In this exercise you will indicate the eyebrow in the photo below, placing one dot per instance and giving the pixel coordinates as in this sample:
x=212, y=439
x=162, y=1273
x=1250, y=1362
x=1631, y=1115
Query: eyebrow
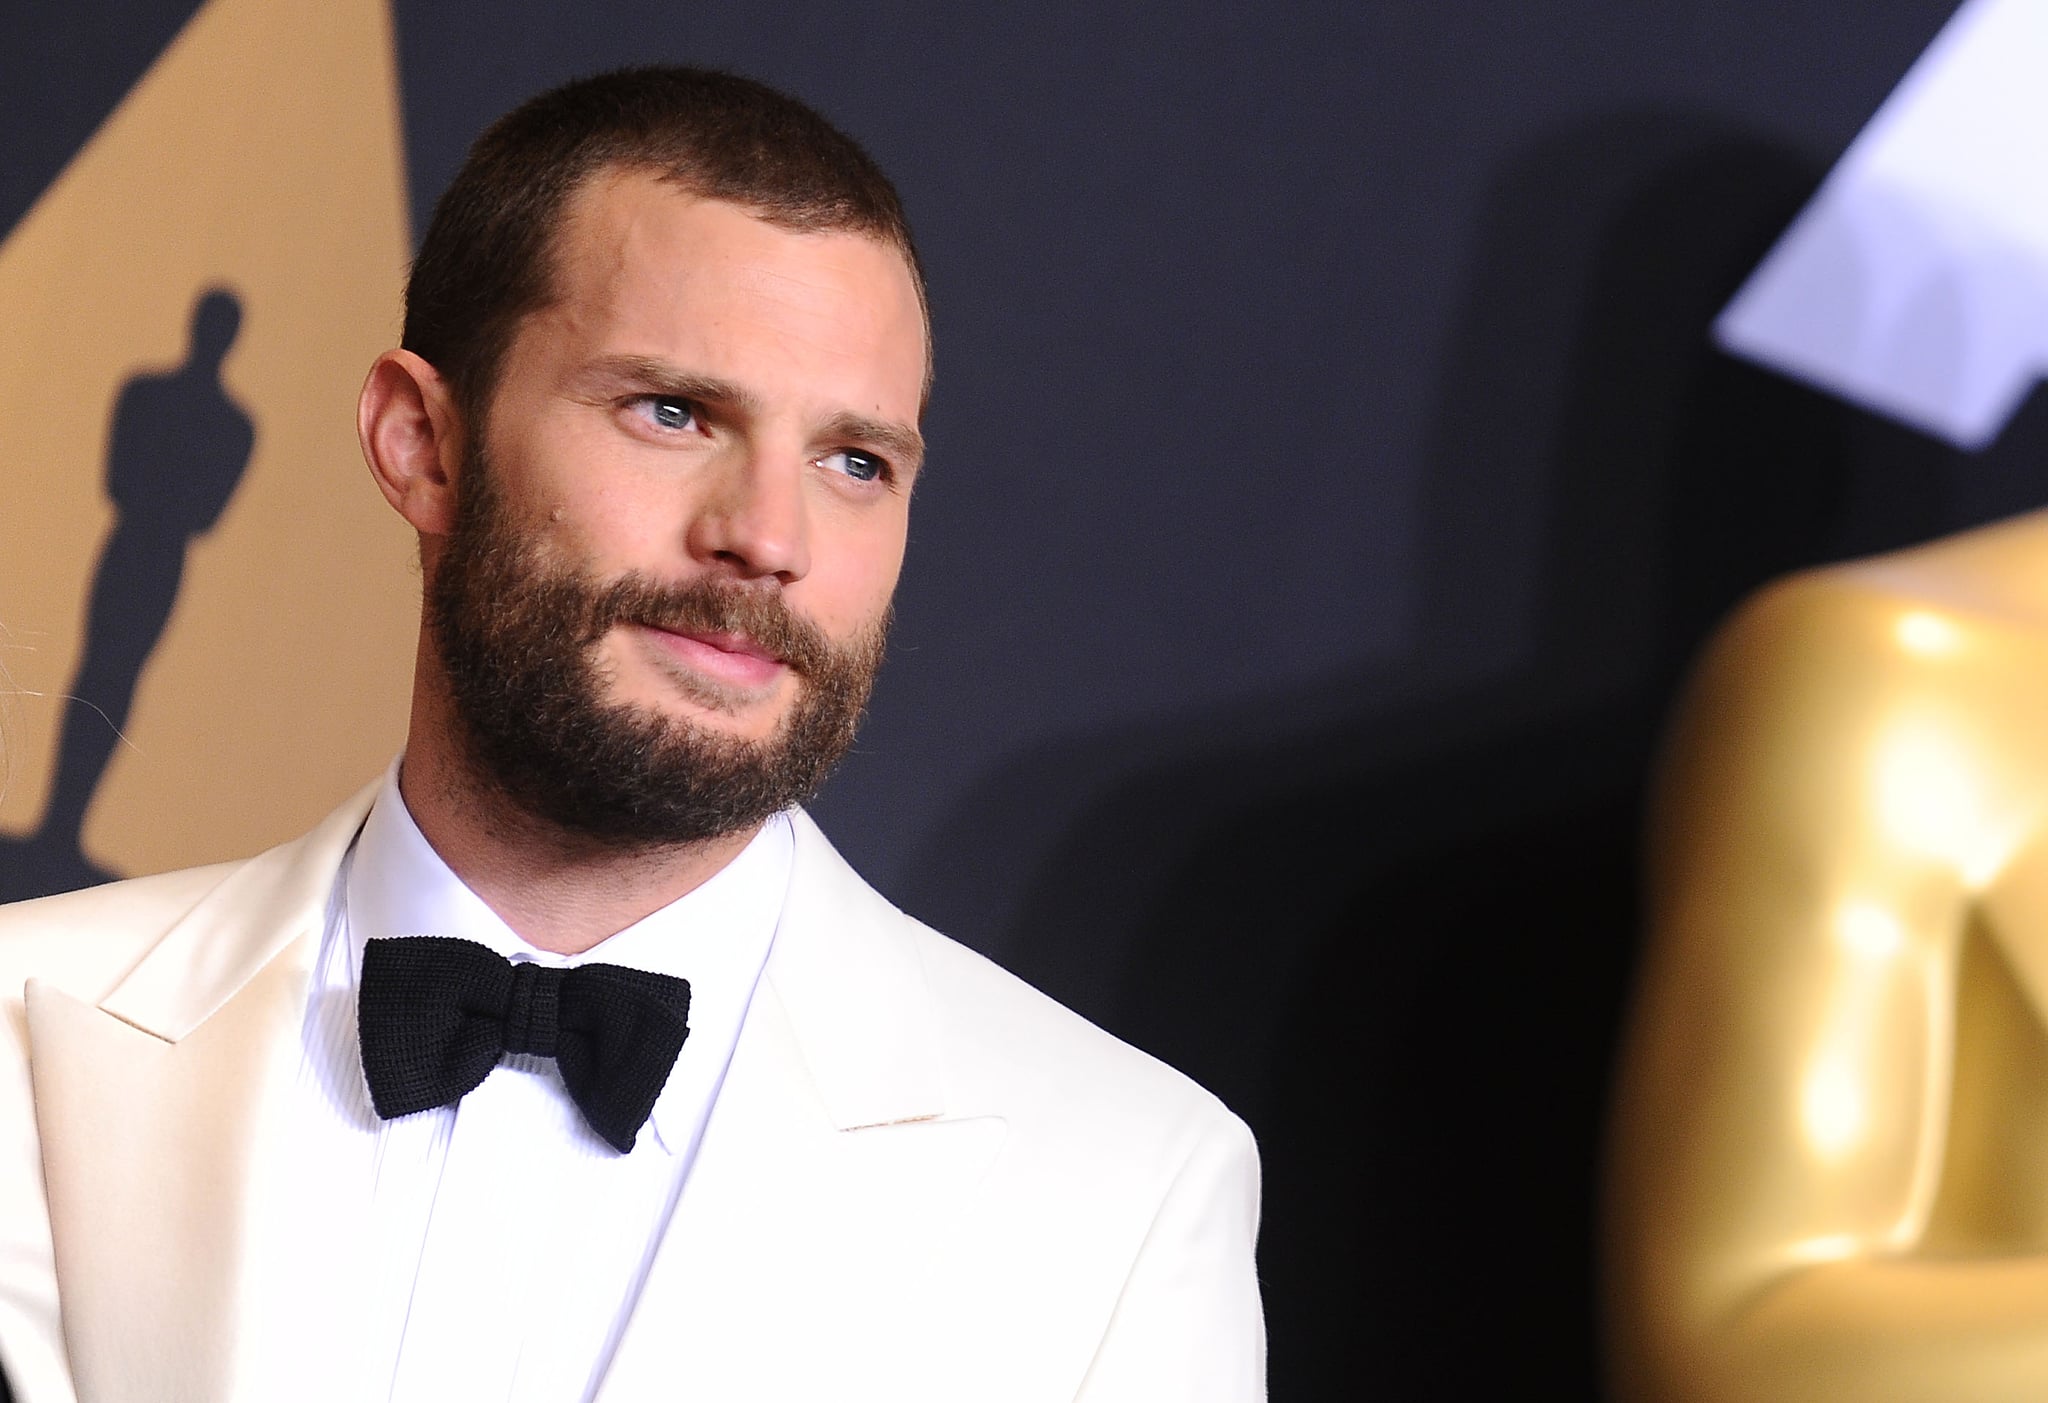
x=902, y=444
x=660, y=378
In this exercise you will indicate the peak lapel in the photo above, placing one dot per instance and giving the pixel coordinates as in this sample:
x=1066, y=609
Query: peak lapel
x=150, y=1109
x=146, y=1150
x=801, y=1251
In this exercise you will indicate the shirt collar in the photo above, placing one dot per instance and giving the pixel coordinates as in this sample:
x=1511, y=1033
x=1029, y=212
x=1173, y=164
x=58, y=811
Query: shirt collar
x=716, y=936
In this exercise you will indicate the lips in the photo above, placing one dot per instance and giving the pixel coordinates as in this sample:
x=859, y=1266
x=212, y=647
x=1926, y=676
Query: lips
x=738, y=644
x=735, y=659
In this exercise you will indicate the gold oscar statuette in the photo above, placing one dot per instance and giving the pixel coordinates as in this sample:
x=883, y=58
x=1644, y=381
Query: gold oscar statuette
x=1828, y=1171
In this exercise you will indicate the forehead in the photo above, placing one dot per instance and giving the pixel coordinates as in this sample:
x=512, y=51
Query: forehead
x=643, y=267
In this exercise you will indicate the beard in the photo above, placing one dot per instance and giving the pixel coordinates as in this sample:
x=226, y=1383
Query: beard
x=518, y=640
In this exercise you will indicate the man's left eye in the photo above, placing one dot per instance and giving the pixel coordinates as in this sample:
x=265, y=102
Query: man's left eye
x=861, y=467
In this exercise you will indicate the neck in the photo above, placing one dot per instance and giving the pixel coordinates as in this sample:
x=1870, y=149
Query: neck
x=557, y=891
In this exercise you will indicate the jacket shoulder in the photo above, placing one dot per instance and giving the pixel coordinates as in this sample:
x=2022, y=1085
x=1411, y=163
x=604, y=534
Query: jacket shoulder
x=1119, y=1177
x=1024, y=1048
x=87, y=939
x=1007, y=1049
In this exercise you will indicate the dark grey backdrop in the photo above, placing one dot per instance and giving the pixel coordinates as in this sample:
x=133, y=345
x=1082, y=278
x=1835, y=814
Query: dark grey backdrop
x=1330, y=476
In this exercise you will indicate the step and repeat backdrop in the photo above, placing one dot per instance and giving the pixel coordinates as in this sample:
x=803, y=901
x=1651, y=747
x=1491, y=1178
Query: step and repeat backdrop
x=205, y=612
x=1349, y=418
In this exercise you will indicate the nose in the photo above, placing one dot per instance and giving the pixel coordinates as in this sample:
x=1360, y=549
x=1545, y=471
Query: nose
x=754, y=520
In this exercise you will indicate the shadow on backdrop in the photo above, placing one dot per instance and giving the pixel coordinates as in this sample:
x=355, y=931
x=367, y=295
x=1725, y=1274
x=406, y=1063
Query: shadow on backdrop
x=176, y=452
x=1398, y=939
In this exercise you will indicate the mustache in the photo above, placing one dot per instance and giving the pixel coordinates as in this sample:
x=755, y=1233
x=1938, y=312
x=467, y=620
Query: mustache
x=710, y=606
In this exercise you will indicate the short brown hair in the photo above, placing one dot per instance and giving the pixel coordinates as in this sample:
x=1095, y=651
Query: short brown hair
x=486, y=260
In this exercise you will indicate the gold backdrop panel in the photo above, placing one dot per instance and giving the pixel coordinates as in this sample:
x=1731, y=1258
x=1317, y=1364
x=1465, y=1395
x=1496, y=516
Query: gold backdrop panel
x=261, y=154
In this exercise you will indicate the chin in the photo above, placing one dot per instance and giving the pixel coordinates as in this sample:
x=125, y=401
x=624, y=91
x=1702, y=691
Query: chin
x=701, y=701
x=756, y=721
x=747, y=731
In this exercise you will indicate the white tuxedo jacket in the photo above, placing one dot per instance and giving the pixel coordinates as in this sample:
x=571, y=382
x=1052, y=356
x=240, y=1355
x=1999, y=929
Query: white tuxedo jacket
x=922, y=1180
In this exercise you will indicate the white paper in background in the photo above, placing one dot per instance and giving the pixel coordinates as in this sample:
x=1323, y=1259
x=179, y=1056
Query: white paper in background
x=1916, y=282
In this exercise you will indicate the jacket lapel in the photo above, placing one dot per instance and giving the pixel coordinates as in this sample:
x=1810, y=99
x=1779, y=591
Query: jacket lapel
x=831, y=1169
x=801, y=1251
x=150, y=1110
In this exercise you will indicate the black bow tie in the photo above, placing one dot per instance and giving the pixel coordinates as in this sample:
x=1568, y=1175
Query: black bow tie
x=435, y=1013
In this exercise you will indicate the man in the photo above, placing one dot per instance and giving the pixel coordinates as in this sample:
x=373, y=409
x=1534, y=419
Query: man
x=333, y=1123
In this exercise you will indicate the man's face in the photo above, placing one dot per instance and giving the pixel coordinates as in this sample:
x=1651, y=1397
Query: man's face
x=682, y=522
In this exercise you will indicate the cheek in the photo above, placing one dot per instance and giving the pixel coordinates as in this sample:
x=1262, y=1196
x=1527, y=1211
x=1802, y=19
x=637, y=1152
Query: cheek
x=852, y=586
x=571, y=483
x=608, y=531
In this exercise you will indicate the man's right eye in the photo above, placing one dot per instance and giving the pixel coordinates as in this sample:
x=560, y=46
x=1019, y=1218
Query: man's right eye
x=670, y=412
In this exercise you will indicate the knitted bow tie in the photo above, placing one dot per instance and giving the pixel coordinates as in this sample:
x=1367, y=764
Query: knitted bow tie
x=435, y=1014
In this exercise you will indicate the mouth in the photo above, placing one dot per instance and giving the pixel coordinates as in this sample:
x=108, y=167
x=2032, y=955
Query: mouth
x=738, y=644
x=734, y=659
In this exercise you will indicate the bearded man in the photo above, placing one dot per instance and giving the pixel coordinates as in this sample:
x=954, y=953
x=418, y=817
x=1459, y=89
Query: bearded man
x=569, y=1061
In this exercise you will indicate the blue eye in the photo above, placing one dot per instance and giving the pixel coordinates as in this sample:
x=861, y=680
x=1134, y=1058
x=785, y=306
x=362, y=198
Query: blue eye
x=861, y=467
x=672, y=413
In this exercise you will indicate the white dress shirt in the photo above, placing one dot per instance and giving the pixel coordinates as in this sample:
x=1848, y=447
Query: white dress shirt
x=490, y=1250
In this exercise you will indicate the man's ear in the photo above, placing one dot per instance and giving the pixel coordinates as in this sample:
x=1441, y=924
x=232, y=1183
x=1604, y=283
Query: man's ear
x=411, y=434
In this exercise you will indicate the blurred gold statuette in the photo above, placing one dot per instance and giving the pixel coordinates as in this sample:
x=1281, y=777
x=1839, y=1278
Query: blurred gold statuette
x=1829, y=1167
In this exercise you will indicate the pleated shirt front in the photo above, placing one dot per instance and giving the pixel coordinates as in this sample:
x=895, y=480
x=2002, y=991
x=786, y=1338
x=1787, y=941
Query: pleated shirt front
x=490, y=1250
